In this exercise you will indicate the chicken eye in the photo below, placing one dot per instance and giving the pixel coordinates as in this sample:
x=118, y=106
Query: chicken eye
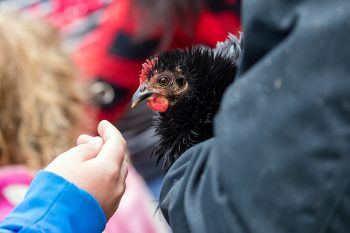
x=163, y=80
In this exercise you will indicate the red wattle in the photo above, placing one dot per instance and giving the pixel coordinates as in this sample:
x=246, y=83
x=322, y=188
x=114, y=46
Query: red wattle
x=159, y=104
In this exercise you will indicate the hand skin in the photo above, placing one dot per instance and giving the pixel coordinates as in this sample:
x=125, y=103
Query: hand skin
x=97, y=165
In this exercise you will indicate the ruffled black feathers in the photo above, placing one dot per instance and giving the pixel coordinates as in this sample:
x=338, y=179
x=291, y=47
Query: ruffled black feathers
x=207, y=72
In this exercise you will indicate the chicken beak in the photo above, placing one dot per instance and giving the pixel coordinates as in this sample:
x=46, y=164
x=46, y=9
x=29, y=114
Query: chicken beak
x=141, y=94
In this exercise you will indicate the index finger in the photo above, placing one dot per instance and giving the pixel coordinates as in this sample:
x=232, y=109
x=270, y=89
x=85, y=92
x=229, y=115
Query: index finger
x=114, y=146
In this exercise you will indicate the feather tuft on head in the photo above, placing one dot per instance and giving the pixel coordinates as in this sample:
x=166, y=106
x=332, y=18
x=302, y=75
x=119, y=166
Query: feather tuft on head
x=146, y=68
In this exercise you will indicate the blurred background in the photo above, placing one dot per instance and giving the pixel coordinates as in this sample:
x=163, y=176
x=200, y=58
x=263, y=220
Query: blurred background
x=108, y=41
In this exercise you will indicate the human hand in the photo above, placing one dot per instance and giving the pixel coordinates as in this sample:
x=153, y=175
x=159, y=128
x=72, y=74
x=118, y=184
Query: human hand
x=96, y=165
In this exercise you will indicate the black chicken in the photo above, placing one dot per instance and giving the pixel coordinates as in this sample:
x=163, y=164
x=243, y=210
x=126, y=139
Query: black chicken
x=185, y=87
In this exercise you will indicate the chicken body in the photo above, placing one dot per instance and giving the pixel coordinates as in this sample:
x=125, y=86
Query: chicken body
x=185, y=87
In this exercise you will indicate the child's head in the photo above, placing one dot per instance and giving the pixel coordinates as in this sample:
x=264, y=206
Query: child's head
x=40, y=105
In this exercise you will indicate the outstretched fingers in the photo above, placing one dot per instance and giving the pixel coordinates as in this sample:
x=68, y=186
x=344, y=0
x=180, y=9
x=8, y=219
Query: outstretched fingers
x=84, y=138
x=87, y=150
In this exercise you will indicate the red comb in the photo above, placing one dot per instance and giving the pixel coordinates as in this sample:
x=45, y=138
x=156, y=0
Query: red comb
x=146, y=68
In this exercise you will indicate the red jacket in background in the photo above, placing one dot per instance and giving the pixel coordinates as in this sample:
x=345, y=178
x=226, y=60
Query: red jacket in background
x=110, y=55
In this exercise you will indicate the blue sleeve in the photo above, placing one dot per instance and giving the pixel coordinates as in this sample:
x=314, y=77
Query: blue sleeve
x=52, y=204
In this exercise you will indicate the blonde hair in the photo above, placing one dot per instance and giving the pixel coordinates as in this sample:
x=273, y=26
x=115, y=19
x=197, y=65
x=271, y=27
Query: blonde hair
x=40, y=103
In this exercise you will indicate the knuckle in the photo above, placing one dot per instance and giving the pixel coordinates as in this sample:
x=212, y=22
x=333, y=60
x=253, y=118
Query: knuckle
x=113, y=172
x=121, y=189
x=123, y=144
x=90, y=147
x=126, y=172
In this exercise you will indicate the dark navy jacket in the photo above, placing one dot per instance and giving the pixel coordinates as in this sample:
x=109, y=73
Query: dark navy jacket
x=280, y=158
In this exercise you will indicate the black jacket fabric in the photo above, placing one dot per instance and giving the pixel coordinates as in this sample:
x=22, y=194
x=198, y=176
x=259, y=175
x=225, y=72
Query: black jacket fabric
x=280, y=158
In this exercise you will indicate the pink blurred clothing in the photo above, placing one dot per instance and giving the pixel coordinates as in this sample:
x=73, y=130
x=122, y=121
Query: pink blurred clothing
x=14, y=181
x=136, y=212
